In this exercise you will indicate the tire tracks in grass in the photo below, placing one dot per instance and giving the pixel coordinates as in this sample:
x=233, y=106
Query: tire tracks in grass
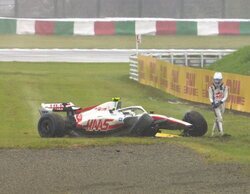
x=31, y=96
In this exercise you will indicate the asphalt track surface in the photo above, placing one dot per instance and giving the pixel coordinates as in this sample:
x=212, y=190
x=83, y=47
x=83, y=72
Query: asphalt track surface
x=69, y=55
x=159, y=168
x=88, y=55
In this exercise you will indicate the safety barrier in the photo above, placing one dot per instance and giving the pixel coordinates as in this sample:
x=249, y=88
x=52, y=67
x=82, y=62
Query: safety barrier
x=125, y=26
x=189, y=57
x=192, y=83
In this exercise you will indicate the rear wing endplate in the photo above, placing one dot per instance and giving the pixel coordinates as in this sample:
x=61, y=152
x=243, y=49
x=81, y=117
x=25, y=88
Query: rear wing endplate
x=57, y=107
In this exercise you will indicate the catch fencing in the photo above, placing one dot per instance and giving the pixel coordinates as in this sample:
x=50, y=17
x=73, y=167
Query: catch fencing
x=125, y=8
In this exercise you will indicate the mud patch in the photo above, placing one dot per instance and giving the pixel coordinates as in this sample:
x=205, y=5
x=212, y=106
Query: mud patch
x=159, y=168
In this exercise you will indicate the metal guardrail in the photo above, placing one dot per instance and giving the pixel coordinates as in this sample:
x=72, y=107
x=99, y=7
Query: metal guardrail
x=190, y=57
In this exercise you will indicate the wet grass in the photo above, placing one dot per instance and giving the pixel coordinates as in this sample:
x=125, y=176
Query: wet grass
x=124, y=42
x=25, y=85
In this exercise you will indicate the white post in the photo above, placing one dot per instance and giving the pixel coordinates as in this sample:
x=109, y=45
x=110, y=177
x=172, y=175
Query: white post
x=138, y=41
x=186, y=59
x=202, y=60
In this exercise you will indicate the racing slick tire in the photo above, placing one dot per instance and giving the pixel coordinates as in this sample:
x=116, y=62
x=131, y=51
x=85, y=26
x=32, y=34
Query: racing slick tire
x=199, y=124
x=51, y=125
x=143, y=126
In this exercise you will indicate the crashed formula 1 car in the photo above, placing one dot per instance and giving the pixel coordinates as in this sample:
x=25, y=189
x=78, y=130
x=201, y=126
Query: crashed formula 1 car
x=110, y=119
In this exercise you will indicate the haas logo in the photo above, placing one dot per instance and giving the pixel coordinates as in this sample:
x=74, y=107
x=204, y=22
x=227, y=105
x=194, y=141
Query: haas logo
x=98, y=124
x=218, y=95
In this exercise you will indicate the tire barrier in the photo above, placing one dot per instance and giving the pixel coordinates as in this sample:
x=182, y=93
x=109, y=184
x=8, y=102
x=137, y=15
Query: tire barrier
x=124, y=26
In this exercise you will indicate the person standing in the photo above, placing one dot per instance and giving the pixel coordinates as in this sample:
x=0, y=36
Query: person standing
x=218, y=93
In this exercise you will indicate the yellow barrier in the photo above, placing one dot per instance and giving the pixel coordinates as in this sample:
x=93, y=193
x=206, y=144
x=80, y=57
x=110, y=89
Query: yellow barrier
x=192, y=83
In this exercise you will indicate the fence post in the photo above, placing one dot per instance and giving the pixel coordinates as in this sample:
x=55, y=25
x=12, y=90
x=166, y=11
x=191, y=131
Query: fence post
x=16, y=9
x=202, y=60
x=186, y=59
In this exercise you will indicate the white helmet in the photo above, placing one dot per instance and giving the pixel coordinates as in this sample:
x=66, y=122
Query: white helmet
x=217, y=78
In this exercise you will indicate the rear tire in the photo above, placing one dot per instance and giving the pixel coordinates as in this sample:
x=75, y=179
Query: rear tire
x=199, y=124
x=51, y=125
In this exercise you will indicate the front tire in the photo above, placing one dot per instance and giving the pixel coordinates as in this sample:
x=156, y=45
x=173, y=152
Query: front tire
x=51, y=125
x=143, y=127
x=199, y=124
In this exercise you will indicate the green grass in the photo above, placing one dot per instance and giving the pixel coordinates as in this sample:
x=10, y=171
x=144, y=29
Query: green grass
x=124, y=42
x=237, y=62
x=25, y=85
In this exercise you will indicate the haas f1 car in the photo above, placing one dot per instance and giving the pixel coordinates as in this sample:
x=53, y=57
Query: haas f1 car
x=110, y=119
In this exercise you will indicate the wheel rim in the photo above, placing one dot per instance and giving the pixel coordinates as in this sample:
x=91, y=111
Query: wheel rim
x=46, y=128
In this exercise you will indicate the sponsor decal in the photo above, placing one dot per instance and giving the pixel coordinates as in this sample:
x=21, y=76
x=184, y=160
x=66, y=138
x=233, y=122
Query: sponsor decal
x=234, y=92
x=78, y=118
x=175, y=81
x=190, y=88
x=142, y=69
x=56, y=106
x=98, y=125
x=219, y=95
x=207, y=82
x=163, y=76
x=101, y=109
x=153, y=73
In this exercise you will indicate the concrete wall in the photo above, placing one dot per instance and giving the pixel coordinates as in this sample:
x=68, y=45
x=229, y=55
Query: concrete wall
x=125, y=8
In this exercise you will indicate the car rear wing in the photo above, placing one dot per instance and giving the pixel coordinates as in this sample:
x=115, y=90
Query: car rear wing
x=57, y=107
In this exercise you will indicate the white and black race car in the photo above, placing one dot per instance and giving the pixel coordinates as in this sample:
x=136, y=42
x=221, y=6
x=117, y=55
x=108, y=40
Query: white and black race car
x=110, y=119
